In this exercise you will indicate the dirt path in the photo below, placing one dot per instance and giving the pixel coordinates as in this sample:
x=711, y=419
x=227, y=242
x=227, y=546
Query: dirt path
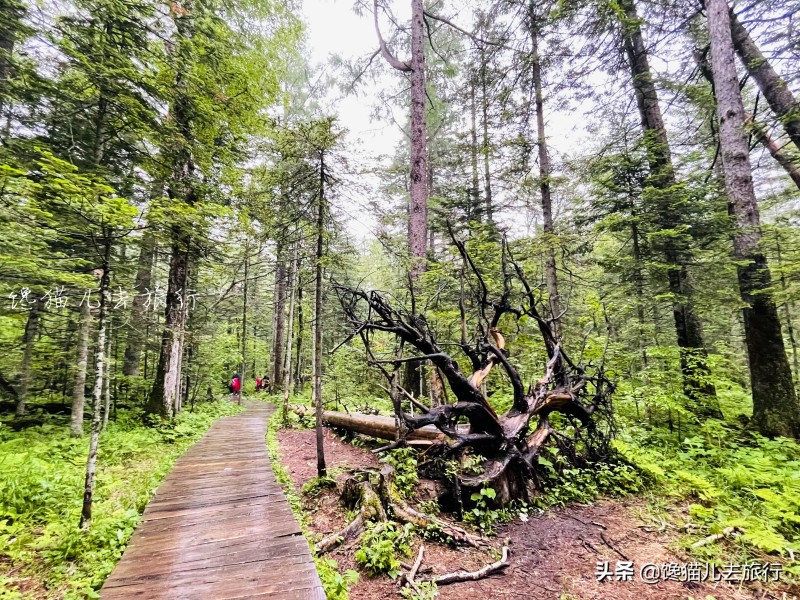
x=554, y=556
x=219, y=526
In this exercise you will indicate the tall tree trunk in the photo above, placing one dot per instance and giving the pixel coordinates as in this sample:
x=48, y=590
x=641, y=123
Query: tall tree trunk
x=166, y=385
x=138, y=318
x=97, y=394
x=79, y=385
x=638, y=286
x=28, y=341
x=287, y=367
x=317, y=337
x=693, y=356
x=475, y=191
x=554, y=300
x=776, y=410
x=279, y=314
x=486, y=146
x=107, y=375
x=772, y=85
x=165, y=395
x=788, y=306
x=298, y=372
x=418, y=210
x=9, y=25
x=244, y=316
x=418, y=204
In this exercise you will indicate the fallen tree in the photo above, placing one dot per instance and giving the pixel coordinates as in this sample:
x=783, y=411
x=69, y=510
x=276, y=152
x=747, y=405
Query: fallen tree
x=377, y=426
x=569, y=405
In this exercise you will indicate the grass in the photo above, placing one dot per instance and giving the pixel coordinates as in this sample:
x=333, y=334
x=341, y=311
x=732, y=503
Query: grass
x=43, y=553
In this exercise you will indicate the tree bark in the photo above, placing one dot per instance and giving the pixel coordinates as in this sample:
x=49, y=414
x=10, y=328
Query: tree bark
x=418, y=210
x=775, y=406
x=244, y=316
x=165, y=395
x=772, y=85
x=551, y=275
x=485, y=146
x=688, y=329
x=317, y=337
x=287, y=367
x=28, y=341
x=474, y=192
x=788, y=307
x=8, y=36
x=79, y=385
x=638, y=286
x=97, y=394
x=107, y=376
x=377, y=426
x=166, y=386
x=298, y=373
x=279, y=315
x=418, y=204
x=137, y=324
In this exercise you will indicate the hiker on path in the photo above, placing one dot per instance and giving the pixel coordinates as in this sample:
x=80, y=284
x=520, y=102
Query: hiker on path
x=236, y=386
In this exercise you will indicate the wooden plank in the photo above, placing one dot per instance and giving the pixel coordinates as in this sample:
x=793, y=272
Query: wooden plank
x=213, y=518
x=212, y=556
x=185, y=572
x=154, y=513
x=219, y=527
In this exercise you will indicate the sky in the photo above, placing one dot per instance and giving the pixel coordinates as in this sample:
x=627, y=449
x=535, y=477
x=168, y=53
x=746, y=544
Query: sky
x=333, y=28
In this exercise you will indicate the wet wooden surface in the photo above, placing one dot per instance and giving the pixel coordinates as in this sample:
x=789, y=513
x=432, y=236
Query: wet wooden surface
x=219, y=526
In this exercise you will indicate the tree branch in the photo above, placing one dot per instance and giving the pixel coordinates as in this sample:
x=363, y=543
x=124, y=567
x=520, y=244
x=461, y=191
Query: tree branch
x=385, y=52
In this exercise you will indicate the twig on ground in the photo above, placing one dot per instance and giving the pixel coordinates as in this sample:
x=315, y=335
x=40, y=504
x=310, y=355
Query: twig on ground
x=474, y=575
x=607, y=543
x=413, y=571
x=727, y=532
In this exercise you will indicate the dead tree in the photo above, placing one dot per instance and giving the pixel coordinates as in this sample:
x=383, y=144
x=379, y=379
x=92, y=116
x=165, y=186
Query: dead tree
x=510, y=444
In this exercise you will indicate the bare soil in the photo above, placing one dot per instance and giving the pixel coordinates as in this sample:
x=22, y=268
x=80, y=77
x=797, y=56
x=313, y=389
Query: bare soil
x=554, y=556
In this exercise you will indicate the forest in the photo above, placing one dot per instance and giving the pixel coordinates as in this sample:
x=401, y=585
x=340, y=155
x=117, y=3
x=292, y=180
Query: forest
x=492, y=299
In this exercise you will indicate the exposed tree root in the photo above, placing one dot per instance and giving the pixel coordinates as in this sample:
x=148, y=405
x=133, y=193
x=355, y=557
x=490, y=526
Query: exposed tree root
x=474, y=575
x=355, y=493
x=403, y=512
x=511, y=443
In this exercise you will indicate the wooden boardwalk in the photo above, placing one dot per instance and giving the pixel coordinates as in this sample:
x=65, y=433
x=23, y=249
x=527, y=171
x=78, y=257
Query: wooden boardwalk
x=219, y=526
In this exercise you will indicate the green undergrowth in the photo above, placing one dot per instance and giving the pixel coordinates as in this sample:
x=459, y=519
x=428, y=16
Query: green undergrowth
x=725, y=475
x=43, y=553
x=335, y=583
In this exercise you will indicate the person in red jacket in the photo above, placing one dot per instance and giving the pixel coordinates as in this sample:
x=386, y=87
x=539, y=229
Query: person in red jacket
x=236, y=386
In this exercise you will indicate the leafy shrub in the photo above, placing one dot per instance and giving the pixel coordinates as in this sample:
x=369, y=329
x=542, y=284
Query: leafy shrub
x=336, y=584
x=380, y=545
x=427, y=591
x=406, y=477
